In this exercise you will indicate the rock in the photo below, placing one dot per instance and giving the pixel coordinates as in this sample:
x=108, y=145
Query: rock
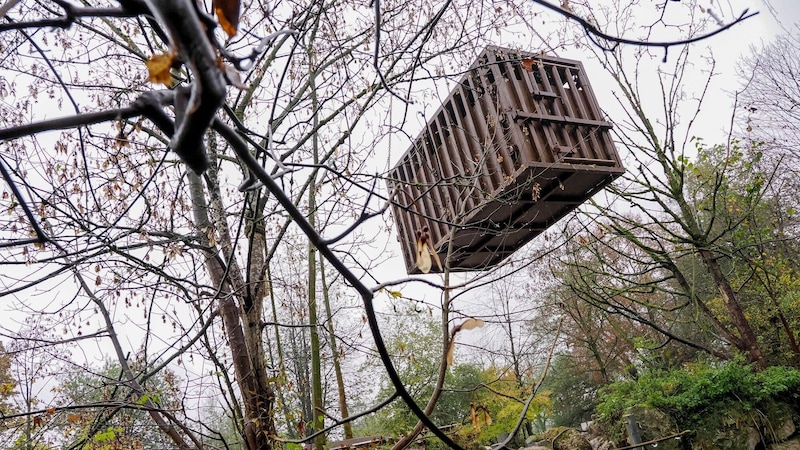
x=785, y=430
x=731, y=437
x=739, y=429
x=777, y=422
x=601, y=443
x=655, y=424
x=564, y=438
x=792, y=444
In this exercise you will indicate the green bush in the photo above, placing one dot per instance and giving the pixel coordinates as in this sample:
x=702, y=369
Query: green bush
x=688, y=394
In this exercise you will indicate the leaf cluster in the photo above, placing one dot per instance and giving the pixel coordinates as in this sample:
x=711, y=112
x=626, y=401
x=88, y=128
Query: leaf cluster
x=691, y=393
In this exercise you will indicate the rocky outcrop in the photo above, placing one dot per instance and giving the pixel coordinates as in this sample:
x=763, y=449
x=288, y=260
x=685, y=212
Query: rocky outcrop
x=772, y=426
x=791, y=444
x=654, y=425
x=735, y=428
x=563, y=438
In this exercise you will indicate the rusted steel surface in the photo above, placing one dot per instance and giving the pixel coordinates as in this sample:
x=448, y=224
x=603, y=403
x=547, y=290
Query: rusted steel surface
x=519, y=143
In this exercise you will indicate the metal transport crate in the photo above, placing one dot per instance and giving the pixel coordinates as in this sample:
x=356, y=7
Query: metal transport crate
x=519, y=143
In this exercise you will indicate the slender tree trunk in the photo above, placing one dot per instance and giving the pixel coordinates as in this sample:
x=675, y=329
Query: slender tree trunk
x=528, y=428
x=301, y=368
x=404, y=441
x=749, y=341
x=787, y=328
x=337, y=368
x=281, y=366
x=317, y=415
x=248, y=357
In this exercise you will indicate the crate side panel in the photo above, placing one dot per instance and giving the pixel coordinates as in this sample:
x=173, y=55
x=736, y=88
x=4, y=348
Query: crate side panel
x=430, y=163
x=403, y=215
x=513, y=149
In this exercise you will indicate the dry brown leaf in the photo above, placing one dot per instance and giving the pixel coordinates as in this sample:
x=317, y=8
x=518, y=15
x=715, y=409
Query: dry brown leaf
x=158, y=68
x=528, y=63
x=423, y=257
x=471, y=323
x=72, y=418
x=473, y=416
x=425, y=250
x=468, y=324
x=228, y=15
x=477, y=413
x=450, y=352
x=436, y=258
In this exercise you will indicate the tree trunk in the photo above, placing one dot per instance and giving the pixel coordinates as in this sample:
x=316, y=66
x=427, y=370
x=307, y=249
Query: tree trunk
x=318, y=416
x=287, y=415
x=749, y=341
x=246, y=348
x=337, y=368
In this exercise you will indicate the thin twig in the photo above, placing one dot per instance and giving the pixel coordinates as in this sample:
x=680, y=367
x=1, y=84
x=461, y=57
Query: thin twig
x=375, y=61
x=594, y=34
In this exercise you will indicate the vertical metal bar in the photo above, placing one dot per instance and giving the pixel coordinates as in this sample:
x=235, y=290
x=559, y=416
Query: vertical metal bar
x=583, y=135
x=426, y=200
x=523, y=100
x=405, y=197
x=507, y=101
x=432, y=166
x=473, y=129
x=462, y=153
x=437, y=159
x=634, y=433
x=489, y=122
x=606, y=145
x=449, y=172
x=566, y=109
x=548, y=150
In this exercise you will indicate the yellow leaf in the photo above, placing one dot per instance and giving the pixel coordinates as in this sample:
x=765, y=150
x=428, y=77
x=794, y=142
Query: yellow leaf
x=466, y=325
x=396, y=294
x=425, y=250
x=227, y=15
x=423, y=257
x=450, y=352
x=158, y=68
x=471, y=323
x=436, y=257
